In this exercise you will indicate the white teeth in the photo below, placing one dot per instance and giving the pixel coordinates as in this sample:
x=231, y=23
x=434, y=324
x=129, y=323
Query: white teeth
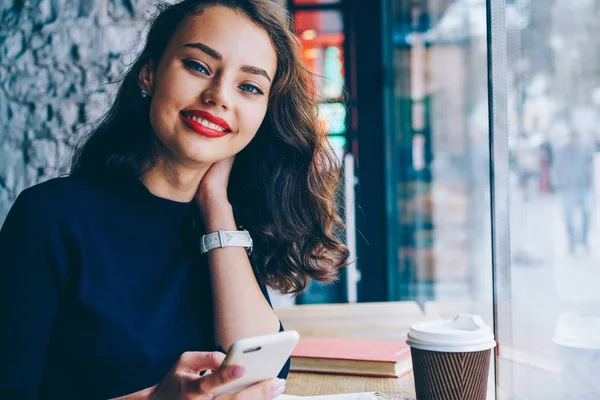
x=206, y=123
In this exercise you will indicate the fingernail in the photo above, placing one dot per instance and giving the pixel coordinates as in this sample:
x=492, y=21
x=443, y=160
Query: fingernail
x=237, y=372
x=278, y=386
x=279, y=391
x=277, y=383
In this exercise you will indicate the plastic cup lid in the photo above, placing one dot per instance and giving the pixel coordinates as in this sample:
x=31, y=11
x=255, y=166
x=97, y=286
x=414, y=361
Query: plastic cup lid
x=578, y=331
x=465, y=333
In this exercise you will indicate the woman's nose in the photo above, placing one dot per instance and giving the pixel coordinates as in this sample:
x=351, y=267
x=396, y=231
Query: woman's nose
x=217, y=95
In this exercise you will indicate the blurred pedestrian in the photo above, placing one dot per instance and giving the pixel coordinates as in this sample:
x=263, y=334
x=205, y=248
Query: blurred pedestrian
x=547, y=158
x=527, y=159
x=574, y=180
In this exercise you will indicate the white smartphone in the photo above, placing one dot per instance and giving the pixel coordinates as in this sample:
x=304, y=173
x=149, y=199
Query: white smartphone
x=261, y=356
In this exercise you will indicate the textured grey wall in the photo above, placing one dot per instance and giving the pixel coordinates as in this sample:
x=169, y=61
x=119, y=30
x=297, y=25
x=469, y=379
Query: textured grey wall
x=56, y=57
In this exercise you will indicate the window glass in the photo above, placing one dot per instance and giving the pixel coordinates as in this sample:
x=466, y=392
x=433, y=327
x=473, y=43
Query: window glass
x=440, y=233
x=553, y=110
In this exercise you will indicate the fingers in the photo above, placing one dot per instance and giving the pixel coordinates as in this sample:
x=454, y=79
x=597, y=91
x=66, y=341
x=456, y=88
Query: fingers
x=196, y=361
x=277, y=387
x=209, y=383
x=265, y=390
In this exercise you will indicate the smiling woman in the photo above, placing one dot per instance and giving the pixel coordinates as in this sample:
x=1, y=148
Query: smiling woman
x=213, y=128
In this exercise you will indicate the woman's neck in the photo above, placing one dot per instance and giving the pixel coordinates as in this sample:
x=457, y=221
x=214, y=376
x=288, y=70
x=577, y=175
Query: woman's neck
x=173, y=182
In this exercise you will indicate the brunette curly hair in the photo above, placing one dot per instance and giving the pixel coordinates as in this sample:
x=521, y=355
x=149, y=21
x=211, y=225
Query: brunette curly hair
x=284, y=185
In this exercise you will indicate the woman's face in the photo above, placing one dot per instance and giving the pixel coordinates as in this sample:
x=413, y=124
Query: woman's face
x=211, y=88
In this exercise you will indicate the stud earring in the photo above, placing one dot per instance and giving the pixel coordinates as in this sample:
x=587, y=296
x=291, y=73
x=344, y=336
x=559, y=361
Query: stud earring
x=144, y=93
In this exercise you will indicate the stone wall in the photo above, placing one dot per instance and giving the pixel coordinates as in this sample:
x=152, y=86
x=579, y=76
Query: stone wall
x=56, y=60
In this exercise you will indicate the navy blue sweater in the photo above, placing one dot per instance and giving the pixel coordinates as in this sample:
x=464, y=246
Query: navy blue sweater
x=102, y=288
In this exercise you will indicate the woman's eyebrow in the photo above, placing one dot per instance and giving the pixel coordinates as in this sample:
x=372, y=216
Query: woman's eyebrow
x=249, y=69
x=208, y=50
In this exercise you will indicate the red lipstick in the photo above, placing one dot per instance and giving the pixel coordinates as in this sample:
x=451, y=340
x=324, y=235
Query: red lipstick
x=220, y=128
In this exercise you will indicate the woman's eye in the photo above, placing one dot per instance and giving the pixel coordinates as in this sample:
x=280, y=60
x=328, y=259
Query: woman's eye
x=250, y=89
x=195, y=66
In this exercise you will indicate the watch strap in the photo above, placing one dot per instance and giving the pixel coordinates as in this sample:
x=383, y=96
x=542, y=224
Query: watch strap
x=220, y=238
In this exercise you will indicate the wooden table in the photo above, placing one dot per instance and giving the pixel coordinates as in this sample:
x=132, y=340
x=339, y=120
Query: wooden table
x=389, y=321
x=304, y=384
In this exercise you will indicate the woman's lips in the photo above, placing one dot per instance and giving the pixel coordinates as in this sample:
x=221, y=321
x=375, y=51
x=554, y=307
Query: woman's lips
x=201, y=129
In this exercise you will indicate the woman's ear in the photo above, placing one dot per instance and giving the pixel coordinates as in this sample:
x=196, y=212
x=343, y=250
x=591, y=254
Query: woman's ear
x=146, y=77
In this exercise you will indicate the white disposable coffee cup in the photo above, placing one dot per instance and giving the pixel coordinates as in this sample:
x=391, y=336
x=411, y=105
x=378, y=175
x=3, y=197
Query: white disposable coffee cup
x=578, y=339
x=451, y=358
x=465, y=333
x=578, y=331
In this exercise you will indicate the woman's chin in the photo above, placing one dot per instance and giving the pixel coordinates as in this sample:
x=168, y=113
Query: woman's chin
x=197, y=155
x=199, y=161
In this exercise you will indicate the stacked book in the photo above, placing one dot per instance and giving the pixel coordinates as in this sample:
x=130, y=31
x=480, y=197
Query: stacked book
x=345, y=356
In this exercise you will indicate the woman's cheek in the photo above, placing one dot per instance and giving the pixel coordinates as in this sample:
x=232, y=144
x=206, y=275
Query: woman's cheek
x=257, y=117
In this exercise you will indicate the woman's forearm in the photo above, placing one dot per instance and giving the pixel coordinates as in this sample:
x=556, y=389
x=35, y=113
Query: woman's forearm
x=240, y=308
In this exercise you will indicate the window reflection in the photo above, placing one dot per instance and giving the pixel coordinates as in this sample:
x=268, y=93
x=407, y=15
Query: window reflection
x=438, y=175
x=553, y=137
x=441, y=157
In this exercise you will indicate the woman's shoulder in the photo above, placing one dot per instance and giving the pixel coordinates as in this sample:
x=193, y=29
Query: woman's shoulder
x=58, y=196
x=62, y=189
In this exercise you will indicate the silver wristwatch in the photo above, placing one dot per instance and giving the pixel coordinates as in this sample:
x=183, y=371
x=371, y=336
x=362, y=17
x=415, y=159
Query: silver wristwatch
x=218, y=239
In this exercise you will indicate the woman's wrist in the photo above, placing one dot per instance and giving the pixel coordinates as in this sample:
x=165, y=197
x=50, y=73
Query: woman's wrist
x=218, y=216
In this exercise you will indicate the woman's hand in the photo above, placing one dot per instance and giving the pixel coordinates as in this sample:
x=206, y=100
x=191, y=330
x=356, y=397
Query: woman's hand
x=265, y=390
x=213, y=186
x=211, y=197
x=184, y=381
